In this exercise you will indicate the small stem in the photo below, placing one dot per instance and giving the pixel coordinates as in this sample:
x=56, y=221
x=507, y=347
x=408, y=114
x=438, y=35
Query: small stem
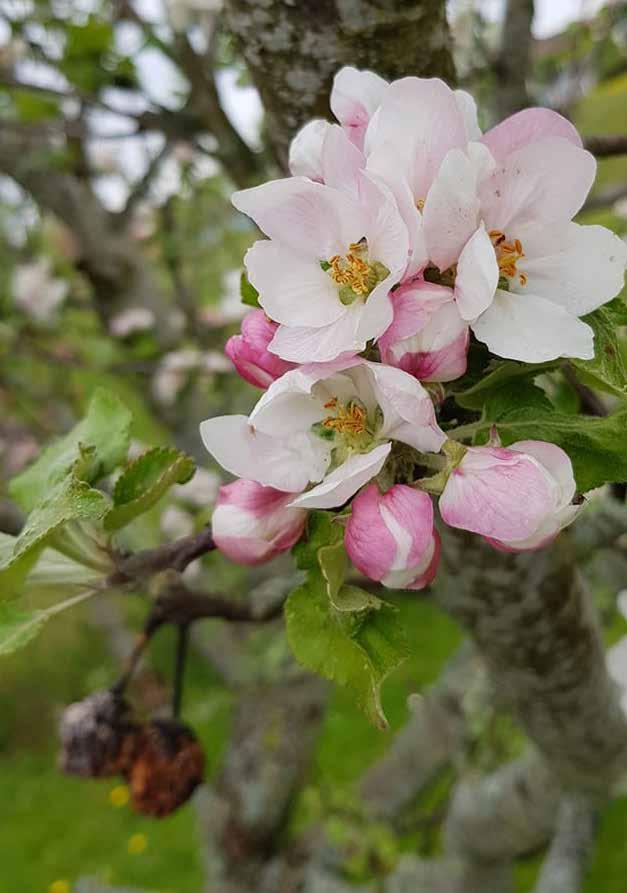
x=465, y=431
x=134, y=657
x=179, y=669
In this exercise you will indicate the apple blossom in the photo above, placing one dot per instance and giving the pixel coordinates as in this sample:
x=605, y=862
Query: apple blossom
x=390, y=537
x=249, y=351
x=252, y=524
x=492, y=219
x=427, y=337
x=518, y=498
x=527, y=273
x=330, y=425
x=326, y=271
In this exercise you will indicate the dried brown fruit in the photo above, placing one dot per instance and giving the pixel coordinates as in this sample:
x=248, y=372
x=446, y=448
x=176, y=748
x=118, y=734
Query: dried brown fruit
x=167, y=768
x=98, y=736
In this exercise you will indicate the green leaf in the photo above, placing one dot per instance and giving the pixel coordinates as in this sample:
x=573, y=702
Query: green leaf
x=333, y=562
x=93, y=448
x=508, y=374
x=357, y=649
x=248, y=292
x=520, y=396
x=13, y=570
x=50, y=568
x=19, y=627
x=352, y=598
x=145, y=481
x=597, y=446
x=322, y=530
x=606, y=370
x=70, y=500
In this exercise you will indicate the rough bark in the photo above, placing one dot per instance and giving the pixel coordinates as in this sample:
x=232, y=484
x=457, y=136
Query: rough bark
x=243, y=815
x=433, y=734
x=535, y=627
x=564, y=868
x=498, y=817
x=294, y=47
x=513, y=65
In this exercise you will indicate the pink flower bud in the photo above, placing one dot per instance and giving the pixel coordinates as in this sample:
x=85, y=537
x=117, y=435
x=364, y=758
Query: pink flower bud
x=390, y=537
x=518, y=498
x=427, y=337
x=249, y=351
x=252, y=524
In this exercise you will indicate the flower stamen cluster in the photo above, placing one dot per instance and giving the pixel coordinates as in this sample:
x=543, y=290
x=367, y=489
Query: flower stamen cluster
x=508, y=253
x=354, y=272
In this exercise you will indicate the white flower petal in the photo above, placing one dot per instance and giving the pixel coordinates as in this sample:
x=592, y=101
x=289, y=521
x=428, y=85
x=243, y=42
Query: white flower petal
x=468, y=108
x=301, y=344
x=314, y=220
x=408, y=412
x=477, y=275
x=306, y=150
x=577, y=267
x=543, y=182
x=345, y=481
x=355, y=97
x=288, y=463
x=293, y=290
x=385, y=231
x=341, y=161
x=377, y=312
x=532, y=329
x=451, y=209
x=528, y=126
x=422, y=119
x=387, y=165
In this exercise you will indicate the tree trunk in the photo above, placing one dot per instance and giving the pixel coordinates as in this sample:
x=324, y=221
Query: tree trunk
x=293, y=48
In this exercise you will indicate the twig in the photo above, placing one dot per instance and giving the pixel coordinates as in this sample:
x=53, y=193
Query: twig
x=175, y=556
x=606, y=198
x=606, y=146
x=179, y=669
x=142, y=186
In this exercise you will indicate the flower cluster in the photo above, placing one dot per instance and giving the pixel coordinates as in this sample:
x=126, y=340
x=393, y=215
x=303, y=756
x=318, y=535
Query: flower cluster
x=402, y=234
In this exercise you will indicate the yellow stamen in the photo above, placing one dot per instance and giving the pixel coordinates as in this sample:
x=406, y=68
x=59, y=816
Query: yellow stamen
x=507, y=255
x=420, y=204
x=353, y=270
x=350, y=420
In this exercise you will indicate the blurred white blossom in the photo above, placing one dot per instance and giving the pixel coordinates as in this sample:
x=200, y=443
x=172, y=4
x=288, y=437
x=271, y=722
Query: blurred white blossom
x=36, y=291
x=176, y=367
x=176, y=522
x=130, y=321
x=201, y=491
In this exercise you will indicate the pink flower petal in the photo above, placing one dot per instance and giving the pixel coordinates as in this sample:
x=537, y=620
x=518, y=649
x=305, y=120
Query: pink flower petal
x=498, y=493
x=526, y=127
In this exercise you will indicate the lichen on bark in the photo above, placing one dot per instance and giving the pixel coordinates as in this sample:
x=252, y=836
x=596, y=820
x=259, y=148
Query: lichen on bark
x=293, y=48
